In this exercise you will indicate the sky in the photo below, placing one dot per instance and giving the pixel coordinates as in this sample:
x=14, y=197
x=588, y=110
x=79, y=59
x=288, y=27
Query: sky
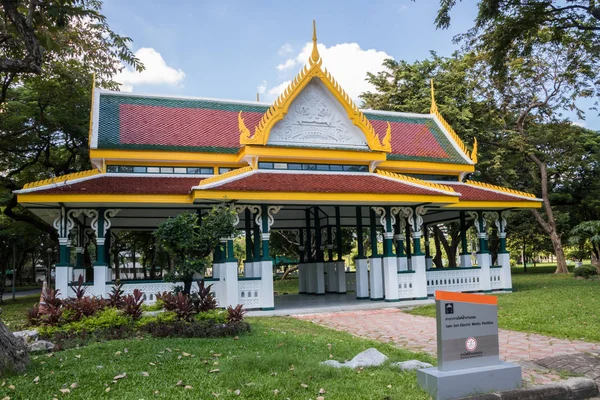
x=236, y=49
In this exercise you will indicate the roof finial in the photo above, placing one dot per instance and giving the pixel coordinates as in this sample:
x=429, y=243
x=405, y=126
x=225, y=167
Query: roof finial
x=314, y=57
x=474, y=151
x=433, y=108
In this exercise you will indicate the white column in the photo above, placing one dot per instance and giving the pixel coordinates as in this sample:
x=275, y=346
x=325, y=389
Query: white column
x=266, y=295
x=465, y=261
x=340, y=269
x=320, y=275
x=483, y=260
x=402, y=263
x=331, y=277
x=216, y=271
x=362, y=278
x=311, y=278
x=302, y=279
x=228, y=276
x=420, y=277
x=376, y=278
x=100, y=287
x=390, y=279
x=248, y=269
x=409, y=263
x=504, y=261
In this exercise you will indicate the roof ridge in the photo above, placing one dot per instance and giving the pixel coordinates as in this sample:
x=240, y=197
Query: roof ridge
x=61, y=179
x=228, y=174
x=500, y=189
x=421, y=182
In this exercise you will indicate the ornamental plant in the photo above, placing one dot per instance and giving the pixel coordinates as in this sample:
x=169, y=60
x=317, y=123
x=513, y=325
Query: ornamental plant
x=190, y=239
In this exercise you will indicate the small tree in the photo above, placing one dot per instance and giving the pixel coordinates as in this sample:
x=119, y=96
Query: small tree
x=588, y=232
x=189, y=240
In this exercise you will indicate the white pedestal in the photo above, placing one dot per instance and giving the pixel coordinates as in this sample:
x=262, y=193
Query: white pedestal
x=402, y=263
x=340, y=269
x=267, y=298
x=362, y=278
x=302, y=279
x=62, y=280
x=504, y=261
x=390, y=279
x=465, y=261
x=410, y=264
x=485, y=283
x=420, y=277
x=376, y=279
x=320, y=272
x=248, y=269
x=311, y=275
x=216, y=271
x=100, y=287
x=331, y=277
x=428, y=263
x=229, y=281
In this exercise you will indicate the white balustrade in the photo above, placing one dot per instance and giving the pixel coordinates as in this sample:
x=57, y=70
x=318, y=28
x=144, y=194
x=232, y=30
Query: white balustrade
x=249, y=292
x=453, y=280
x=496, y=277
x=406, y=285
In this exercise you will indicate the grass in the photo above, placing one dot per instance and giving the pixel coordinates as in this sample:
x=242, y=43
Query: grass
x=289, y=285
x=280, y=354
x=14, y=313
x=554, y=305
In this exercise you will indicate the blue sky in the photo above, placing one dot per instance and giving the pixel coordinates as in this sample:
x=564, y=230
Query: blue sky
x=234, y=49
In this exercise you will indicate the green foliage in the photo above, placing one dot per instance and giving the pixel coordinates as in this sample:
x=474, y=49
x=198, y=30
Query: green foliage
x=585, y=271
x=587, y=232
x=109, y=318
x=190, y=240
x=166, y=317
x=158, y=305
x=217, y=316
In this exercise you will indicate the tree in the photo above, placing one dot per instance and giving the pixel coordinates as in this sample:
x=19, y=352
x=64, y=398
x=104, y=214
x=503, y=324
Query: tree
x=505, y=27
x=588, y=232
x=190, y=240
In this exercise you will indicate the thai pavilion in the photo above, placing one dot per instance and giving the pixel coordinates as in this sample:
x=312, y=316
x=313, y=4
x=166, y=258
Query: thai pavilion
x=311, y=162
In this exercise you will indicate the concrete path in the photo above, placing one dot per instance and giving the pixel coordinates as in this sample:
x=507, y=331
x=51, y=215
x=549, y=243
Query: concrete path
x=419, y=334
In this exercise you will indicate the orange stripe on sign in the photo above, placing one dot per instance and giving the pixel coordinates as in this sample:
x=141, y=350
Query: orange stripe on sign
x=466, y=297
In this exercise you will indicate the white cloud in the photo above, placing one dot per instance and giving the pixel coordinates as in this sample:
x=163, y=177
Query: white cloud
x=347, y=62
x=286, y=49
x=157, y=72
x=262, y=87
x=579, y=123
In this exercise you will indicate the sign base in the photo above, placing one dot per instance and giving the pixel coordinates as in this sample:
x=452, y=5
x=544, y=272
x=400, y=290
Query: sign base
x=442, y=385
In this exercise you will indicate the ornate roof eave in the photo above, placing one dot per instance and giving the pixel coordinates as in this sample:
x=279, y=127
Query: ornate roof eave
x=281, y=106
x=502, y=189
x=61, y=179
x=471, y=156
x=415, y=181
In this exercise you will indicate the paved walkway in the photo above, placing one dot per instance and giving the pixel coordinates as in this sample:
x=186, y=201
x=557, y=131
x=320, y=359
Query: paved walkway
x=419, y=334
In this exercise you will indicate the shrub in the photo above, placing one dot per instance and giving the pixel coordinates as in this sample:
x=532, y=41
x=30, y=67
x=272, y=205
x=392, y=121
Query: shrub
x=585, y=271
x=50, y=297
x=33, y=315
x=166, y=317
x=115, y=297
x=196, y=329
x=157, y=306
x=183, y=307
x=132, y=304
x=109, y=318
x=217, y=316
x=80, y=289
x=167, y=299
x=204, y=300
x=235, y=314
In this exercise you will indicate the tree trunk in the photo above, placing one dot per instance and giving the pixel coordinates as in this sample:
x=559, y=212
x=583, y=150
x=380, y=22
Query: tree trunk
x=13, y=352
x=187, y=285
x=437, y=260
x=288, y=271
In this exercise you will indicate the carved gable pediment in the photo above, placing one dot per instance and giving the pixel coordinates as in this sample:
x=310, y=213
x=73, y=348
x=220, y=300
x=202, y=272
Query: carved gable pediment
x=316, y=119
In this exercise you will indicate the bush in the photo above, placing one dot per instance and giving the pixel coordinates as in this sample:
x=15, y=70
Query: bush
x=109, y=318
x=132, y=304
x=195, y=329
x=167, y=299
x=204, y=300
x=585, y=271
x=166, y=317
x=157, y=306
x=183, y=307
x=115, y=297
x=217, y=316
x=235, y=314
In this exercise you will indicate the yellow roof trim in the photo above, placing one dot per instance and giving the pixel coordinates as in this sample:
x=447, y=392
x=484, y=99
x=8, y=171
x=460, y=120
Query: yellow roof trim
x=281, y=106
x=62, y=178
x=229, y=174
x=417, y=181
x=435, y=112
x=501, y=189
x=488, y=205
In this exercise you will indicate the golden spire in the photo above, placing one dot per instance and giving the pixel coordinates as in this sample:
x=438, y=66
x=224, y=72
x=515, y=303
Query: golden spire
x=314, y=56
x=433, y=108
x=474, y=152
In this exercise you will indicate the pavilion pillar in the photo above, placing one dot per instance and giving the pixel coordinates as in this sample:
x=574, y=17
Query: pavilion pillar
x=310, y=267
x=503, y=254
x=465, y=256
x=63, y=223
x=361, y=262
x=320, y=265
x=389, y=261
x=79, y=270
x=255, y=267
x=340, y=264
x=483, y=256
x=400, y=237
x=302, y=278
x=101, y=224
x=376, y=271
x=228, y=274
x=415, y=219
x=331, y=272
x=428, y=258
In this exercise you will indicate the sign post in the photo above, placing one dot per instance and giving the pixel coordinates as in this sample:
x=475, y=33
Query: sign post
x=467, y=349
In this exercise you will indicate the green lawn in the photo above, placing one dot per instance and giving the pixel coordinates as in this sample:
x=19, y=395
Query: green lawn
x=280, y=354
x=555, y=305
x=289, y=286
x=14, y=313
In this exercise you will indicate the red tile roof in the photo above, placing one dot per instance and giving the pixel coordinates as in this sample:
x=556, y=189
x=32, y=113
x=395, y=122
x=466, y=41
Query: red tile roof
x=412, y=139
x=321, y=183
x=474, y=193
x=127, y=185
